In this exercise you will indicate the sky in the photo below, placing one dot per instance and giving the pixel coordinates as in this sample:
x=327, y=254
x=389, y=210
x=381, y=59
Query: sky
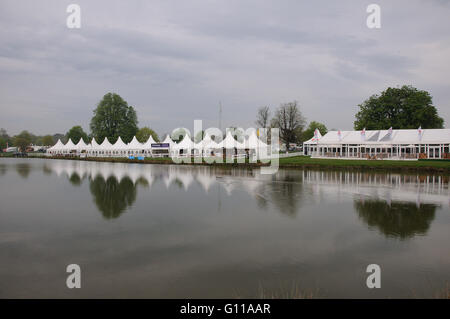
x=174, y=61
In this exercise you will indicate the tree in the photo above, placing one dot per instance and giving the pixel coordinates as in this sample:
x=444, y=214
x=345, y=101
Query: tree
x=3, y=142
x=144, y=133
x=399, y=108
x=5, y=139
x=47, y=140
x=289, y=120
x=309, y=132
x=59, y=136
x=262, y=117
x=113, y=118
x=76, y=133
x=22, y=140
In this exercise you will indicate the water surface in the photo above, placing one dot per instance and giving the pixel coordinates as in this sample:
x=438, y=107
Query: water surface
x=166, y=231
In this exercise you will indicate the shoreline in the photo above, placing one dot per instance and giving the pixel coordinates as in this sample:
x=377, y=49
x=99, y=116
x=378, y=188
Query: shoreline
x=298, y=162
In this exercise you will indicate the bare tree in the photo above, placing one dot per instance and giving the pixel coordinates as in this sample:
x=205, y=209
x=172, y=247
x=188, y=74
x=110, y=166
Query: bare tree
x=289, y=121
x=262, y=117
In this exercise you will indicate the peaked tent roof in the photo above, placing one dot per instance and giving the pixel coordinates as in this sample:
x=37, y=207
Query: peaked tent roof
x=253, y=142
x=169, y=141
x=69, y=145
x=81, y=145
x=119, y=144
x=58, y=146
x=230, y=142
x=186, y=143
x=206, y=143
x=134, y=144
x=106, y=145
x=149, y=142
x=94, y=144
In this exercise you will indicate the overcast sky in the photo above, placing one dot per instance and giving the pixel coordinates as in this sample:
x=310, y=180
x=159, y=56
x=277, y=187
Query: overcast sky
x=175, y=60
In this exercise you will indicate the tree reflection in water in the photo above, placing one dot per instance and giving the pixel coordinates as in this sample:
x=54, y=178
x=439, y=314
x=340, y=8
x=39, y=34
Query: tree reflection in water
x=23, y=169
x=111, y=196
x=401, y=220
x=286, y=195
x=75, y=179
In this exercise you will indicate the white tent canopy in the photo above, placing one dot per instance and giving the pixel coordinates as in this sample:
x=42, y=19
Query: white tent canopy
x=81, y=145
x=185, y=144
x=57, y=147
x=169, y=141
x=135, y=144
x=106, y=145
x=402, y=143
x=229, y=142
x=70, y=146
x=119, y=145
x=148, y=144
x=253, y=142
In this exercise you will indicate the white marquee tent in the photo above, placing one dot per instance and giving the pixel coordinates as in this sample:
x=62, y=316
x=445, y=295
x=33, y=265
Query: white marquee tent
x=392, y=143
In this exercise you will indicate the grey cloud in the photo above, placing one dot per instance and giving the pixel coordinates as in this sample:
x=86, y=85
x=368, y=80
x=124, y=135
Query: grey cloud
x=174, y=61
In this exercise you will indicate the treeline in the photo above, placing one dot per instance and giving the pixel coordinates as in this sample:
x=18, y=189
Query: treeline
x=25, y=138
x=400, y=108
x=403, y=107
x=113, y=117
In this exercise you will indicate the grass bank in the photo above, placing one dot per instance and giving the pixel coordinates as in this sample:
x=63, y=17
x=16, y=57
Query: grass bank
x=307, y=162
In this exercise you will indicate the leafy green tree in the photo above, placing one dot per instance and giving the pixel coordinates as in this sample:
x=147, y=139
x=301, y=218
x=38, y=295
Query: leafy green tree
x=309, y=132
x=76, y=133
x=47, y=140
x=113, y=118
x=144, y=133
x=399, y=108
x=3, y=142
x=22, y=140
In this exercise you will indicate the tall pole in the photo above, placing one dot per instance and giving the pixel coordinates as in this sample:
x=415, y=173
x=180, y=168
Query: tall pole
x=220, y=116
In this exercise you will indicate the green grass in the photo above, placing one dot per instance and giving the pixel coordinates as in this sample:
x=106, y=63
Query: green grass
x=305, y=161
x=9, y=154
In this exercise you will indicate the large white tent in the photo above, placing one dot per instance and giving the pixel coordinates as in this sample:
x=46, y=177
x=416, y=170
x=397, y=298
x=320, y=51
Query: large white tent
x=392, y=143
x=69, y=148
x=206, y=147
x=231, y=147
x=256, y=146
x=135, y=147
x=56, y=149
x=184, y=147
x=119, y=149
x=147, y=146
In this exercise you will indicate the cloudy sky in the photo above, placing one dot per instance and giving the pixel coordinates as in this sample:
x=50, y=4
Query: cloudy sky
x=175, y=60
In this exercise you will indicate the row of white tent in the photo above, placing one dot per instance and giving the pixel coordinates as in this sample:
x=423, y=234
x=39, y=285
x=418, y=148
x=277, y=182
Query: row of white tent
x=186, y=147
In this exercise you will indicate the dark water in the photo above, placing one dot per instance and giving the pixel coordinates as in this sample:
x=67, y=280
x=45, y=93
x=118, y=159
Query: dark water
x=175, y=231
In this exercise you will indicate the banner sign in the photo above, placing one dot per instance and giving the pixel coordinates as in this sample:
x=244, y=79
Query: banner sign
x=160, y=145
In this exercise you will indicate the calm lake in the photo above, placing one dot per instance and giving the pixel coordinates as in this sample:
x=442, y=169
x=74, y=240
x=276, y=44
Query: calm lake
x=166, y=231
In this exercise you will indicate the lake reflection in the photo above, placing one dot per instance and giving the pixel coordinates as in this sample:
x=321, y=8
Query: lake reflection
x=157, y=231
